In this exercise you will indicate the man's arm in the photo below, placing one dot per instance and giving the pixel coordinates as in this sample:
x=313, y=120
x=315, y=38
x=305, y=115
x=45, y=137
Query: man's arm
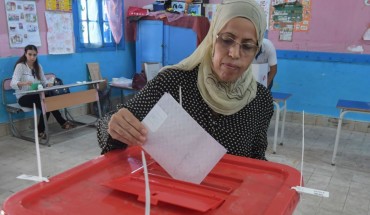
x=271, y=74
x=271, y=60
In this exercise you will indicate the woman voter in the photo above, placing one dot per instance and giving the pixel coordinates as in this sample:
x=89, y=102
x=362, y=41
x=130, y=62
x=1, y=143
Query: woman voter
x=217, y=84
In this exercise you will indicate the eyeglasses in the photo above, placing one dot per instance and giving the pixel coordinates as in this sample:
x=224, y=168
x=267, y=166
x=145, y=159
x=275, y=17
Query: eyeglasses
x=29, y=54
x=226, y=41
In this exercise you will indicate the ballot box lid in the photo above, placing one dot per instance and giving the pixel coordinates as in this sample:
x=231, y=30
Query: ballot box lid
x=114, y=184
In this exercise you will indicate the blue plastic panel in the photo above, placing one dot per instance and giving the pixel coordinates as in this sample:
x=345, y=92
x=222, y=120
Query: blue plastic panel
x=179, y=43
x=149, y=42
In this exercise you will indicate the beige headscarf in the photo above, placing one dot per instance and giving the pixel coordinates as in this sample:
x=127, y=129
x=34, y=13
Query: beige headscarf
x=225, y=97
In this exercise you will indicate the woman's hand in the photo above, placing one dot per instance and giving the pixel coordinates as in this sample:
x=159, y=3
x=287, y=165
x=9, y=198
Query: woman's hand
x=24, y=83
x=125, y=127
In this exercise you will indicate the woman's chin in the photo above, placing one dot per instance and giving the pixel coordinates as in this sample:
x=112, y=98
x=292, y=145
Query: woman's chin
x=227, y=77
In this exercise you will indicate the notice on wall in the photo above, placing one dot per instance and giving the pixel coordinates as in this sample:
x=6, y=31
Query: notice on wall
x=297, y=13
x=265, y=4
x=59, y=5
x=22, y=22
x=286, y=32
x=60, y=32
x=210, y=9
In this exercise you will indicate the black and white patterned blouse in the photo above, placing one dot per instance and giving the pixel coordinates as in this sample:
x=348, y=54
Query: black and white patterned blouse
x=243, y=133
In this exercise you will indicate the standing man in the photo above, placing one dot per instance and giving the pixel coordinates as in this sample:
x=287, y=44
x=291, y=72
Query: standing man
x=267, y=54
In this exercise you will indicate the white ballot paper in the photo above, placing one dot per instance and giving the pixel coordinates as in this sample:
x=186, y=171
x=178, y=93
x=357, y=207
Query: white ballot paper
x=178, y=143
x=260, y=72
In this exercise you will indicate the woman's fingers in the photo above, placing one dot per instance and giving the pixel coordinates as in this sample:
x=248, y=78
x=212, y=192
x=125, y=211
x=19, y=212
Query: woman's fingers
x=123, y=133
x=120, y=138
x=133, y=121
x=125, y=127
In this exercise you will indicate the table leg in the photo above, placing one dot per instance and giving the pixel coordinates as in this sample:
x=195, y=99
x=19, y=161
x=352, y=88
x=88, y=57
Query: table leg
x=342, y=113
x=98, y=99
x=283, y=124
x=121, y=96
x=99, y=108
x=43, y=108
x=276, y=126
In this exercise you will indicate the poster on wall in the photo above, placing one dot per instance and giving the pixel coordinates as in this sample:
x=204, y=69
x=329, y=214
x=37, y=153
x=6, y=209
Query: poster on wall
x=297, y=13
x=210, y=9
x=286, y=33
x=22, y=22
x=178, y=6
x=59, y=5
x=265, y=4
x=306, y=17
x=60, y=32
x=195, y=9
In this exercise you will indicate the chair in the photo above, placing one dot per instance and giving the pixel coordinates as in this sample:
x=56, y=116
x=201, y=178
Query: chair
x=94, y=72
x=151, y=70
x=12, y=107
x=104, y=91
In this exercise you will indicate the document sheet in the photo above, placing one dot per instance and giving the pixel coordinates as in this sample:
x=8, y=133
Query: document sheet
x=178, y=143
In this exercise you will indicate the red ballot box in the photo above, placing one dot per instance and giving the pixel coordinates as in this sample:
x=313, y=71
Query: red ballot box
x=114, y=184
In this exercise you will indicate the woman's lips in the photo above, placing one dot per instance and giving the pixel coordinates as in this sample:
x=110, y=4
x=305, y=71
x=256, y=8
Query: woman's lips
x=230, y=65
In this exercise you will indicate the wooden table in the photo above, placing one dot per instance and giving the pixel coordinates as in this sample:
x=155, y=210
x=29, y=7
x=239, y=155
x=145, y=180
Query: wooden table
x=121, y=87
x=52, y=103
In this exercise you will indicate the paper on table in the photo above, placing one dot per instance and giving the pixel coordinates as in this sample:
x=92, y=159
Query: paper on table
x=178, y=143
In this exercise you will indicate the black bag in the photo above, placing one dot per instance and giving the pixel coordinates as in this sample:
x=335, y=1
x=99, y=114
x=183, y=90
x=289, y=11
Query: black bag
x=57, y=92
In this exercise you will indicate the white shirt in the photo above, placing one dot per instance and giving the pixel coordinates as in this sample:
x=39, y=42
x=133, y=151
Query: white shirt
x=23, y=73
x=268, y=54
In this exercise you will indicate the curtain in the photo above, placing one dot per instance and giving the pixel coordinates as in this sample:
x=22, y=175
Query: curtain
x=115, y=18
x=94, y=27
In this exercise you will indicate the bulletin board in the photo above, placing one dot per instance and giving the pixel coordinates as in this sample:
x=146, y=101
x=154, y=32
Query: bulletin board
x=23, y=25
x=335, y=26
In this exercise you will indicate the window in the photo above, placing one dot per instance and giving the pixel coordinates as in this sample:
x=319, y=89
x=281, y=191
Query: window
x=91, y=27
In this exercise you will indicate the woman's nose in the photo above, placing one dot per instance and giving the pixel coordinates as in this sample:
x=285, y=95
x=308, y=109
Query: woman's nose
x=234, y=51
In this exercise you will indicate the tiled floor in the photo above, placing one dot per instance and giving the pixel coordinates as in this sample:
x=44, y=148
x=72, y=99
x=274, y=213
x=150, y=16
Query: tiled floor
x=348, y=182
